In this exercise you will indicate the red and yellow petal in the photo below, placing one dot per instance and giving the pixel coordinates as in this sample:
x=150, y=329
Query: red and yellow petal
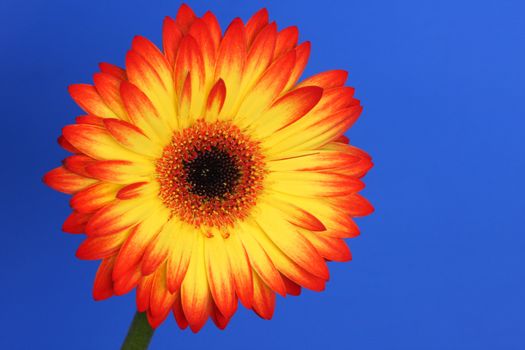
x=88, y=98
x=195, y=293
x=65, y=181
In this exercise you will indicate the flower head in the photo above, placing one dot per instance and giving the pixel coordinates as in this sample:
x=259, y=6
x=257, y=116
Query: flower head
x=205, y=174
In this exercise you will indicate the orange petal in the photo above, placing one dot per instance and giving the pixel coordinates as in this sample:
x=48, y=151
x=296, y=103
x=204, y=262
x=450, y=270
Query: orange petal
x=215, y=101
x=230, y=62
x=143, y=113
x=76, y=222
x=115, y=71
x=103, y=286
x=313, y=184
x=240, y=270
x=213, y=27
x=178, y=313
x=292, y=288
x=96, y=142
x=200, y=32
x=316, y=160
x=185, y=17
x=190, y=60
x=131, y=137
x=330, y=248
x=63, y=180
x=259, y=259
x=127, y=281
x=157, y=251
x=326, y=80
x=357, y=205
x=154, y=57
x=302, y=54
x=254, y=25
x=108, y=86
x=260, y=55
x=120, y=171
x=286, y=110
x=143, y=292
x=154, y=82
x=87, y=97
x=179, y=256
x=286, y=41
x=218, y=318
x=94, y=197
x=77, y=163
x=132, y=251
x=196, y=298
x=293, y=244
x=284, y=263
x=171, y=36
x=120, y=215
x=95, y=248
x=273, y=222
x=66, y=145
x=266, y=90
x=219, y=275
x=161, y=300
x=90, y=119
x=263, y=298
x=137, y=189
x=298, y=216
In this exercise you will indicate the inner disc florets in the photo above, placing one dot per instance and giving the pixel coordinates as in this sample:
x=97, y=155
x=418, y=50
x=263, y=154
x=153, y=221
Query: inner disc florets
x=210, y=174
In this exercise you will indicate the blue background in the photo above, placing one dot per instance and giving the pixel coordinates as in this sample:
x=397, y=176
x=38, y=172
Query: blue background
x=440, y=265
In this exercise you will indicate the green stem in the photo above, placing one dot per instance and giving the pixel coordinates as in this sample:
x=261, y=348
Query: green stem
x=139, y=333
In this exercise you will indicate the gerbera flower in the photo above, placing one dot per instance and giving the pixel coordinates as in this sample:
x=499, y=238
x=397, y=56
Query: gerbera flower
x=205, y=174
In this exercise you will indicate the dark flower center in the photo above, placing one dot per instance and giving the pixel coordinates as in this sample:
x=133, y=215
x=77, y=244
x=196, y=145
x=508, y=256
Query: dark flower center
x=213, y=173
x=210, y=174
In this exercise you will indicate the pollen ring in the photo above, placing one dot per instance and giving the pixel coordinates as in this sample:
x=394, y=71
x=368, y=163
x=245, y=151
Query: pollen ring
x=210, y=174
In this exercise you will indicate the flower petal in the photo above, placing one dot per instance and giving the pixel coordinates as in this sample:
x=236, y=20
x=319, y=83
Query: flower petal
x=97, y=143
x=219, y=275
x=131, y=137
x=161, y=300
x=88, y=98
x=286, y=41
x=121, y=171
x=289, y=108
x=240, y=269
x=326, y=80
x=269, y=86
x=171, y=36
x=103, y=286
x=282, y=262
x=195, y=293
x=185, y=17
x=94, y=197
x=131, y=253
x=230, y=63
x=263, y=298
x=144, y=114
x=313, y=184
x=120, y=215
x=113, y=70
x=76, y=222
x=285, y=236
x=180, y=253
x=95, y=248
x=254, y=25
x=108, y=86
x=259, y=259
x=63, y=180
x=154, y=83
